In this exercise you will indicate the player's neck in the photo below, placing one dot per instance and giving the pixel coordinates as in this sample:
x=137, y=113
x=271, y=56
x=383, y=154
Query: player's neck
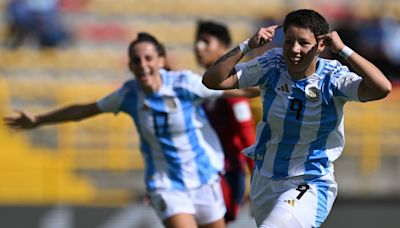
x=299, y=75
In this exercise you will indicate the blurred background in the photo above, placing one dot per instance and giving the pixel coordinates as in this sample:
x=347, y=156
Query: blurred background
x=55, y=52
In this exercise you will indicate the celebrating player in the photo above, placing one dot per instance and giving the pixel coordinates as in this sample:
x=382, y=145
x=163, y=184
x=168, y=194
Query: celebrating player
x=301, y=131
x=181, y=152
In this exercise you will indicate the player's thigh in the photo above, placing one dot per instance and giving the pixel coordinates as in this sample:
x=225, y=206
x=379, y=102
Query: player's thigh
x=209, y=204
x=172, y=204
x=180, y=221
x=280, y=218
x=220, y=223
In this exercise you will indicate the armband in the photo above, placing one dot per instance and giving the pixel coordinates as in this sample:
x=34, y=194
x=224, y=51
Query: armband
x=244, y=47
x=346, y=52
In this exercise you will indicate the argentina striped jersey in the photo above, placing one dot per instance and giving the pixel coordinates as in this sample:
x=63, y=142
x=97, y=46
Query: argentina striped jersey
x=179, y=147
x=301, y=131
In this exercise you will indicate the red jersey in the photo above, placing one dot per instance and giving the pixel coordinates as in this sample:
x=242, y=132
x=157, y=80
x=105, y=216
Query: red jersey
x=232, y=119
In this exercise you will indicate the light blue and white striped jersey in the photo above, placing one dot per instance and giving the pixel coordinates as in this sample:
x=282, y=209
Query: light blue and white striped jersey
x=301, y=131
x=179, y=147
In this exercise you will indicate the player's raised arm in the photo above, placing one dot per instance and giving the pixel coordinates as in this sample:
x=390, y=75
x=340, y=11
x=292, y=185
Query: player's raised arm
x=25, y=120
x=374, y=84
x=250, y=92
x=222, y=74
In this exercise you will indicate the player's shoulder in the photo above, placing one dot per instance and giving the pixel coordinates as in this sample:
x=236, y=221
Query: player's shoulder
x=180, y=77
x=274, y=53
x=181, y=74
x=131, y=85
x=273, y=57
x=330, y=63
x=332, y=67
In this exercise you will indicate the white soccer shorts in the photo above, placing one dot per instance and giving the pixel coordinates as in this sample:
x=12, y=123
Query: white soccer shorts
x=206, y=203
x=291, y=202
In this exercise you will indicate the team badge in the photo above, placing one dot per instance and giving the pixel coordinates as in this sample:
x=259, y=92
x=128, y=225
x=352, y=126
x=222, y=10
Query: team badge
x=312, y=92
x=170, y=104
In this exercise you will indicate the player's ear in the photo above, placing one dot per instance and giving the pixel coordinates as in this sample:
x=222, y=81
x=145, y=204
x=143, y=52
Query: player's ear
x=162, y=63
x=320, y=45
x=130, y=65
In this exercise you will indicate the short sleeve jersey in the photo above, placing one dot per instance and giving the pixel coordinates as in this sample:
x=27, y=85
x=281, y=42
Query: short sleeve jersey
x=301, y=131
x=180, y=149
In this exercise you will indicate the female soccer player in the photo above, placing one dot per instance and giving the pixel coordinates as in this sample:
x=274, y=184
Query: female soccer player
x=301, y=131
x=182, y=153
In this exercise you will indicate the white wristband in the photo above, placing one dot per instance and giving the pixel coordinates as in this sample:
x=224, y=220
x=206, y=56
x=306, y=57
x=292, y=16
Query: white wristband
x=244, y=47
x=346, y=52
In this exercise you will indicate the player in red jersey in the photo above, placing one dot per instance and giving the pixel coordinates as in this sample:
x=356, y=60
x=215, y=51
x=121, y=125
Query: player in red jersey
x=230, y=117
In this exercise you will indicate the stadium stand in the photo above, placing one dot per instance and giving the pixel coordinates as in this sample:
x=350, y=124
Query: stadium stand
x=69, y=59
x=35, y=175
x=41, y=174
x=188, y=8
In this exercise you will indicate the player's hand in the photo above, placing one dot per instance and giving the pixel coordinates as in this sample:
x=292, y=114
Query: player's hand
x=333, y=41
x=263, y=36
x=24, y=120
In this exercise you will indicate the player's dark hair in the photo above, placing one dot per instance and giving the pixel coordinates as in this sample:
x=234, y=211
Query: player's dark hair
x=146, y=37
x=307, y=19
x=215, y=29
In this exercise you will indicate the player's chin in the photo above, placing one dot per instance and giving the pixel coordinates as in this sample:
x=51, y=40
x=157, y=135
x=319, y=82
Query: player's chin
x=205, y=63
x=200, y=60
x=146, y=84
x=144, y=79
x=296, y=64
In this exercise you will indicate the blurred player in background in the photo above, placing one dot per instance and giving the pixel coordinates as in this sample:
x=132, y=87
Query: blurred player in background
x=37, y=21
x=301, y=133
x=231, y=117
x=182, y=154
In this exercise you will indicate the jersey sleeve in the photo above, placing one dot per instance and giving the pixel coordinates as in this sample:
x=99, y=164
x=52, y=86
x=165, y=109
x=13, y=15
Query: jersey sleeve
x=244, y=126
x=248, y=73
x=243, y=120
x=251, y=73
x=347, y=85
x=241, y=111
x=112, y=102
x=196, y=86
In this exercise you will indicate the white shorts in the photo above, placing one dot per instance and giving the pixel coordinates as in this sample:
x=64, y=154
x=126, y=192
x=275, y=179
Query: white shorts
x=206, y=203
x=291, y=202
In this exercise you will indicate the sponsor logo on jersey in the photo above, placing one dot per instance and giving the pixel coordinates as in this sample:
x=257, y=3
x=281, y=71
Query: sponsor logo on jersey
x=283, y=88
